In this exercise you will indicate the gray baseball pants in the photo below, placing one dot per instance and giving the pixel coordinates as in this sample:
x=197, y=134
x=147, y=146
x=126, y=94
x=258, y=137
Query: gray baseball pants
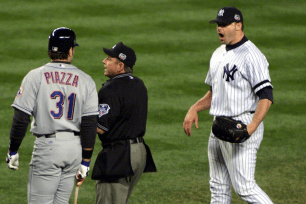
x=119, y=192
x=54, y=164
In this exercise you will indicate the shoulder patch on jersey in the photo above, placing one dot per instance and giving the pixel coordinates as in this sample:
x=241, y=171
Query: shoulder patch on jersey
x=20, y=91
x=103, y=109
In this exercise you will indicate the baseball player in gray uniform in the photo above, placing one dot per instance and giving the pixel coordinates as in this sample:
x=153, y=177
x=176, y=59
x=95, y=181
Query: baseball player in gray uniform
x=64, y=104
x=240, y=88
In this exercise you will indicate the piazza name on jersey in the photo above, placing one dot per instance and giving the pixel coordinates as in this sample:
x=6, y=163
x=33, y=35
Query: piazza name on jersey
x=62, y=78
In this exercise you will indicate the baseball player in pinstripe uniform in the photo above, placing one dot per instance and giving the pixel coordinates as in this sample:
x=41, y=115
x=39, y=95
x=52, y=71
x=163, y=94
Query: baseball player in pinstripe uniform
x=240, y=88
x=63, y=101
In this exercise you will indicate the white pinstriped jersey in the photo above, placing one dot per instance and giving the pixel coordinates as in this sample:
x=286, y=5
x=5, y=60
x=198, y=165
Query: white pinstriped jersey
x=236, y=76
x=58, y=95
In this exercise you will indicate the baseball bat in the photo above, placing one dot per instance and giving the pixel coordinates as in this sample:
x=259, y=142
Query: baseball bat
x=76, y=193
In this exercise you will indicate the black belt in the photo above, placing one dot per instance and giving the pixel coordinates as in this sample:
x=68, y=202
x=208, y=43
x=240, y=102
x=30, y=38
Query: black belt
x=131, y=141
x=136, y=140
x=53, y=134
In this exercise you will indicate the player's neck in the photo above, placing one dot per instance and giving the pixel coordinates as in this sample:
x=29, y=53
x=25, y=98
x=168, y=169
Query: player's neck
x=230, y=47
x=69, y=58
x=61, y=61
x=240, y=35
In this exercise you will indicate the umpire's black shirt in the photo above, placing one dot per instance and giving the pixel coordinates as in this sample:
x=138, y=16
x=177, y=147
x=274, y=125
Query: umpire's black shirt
x=123, y=106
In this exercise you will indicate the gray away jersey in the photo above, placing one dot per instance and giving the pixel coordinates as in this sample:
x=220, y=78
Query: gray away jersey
x=58, y=95
x=235, y=77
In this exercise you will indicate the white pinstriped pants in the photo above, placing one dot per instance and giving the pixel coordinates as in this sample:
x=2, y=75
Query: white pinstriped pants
x=234, y=165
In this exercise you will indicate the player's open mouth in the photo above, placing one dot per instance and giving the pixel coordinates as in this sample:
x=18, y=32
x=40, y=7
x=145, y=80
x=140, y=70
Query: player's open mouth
x=221, y=35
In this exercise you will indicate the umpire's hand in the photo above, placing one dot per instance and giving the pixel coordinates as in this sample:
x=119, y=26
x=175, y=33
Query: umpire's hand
x=12, y=160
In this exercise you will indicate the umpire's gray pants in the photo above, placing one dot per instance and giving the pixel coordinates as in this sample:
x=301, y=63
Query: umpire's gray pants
x=119, y=192
x=55, y=162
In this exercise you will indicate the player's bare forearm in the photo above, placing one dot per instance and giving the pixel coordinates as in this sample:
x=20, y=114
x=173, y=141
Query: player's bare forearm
x=259, y=115
x=192, y=114
x=202, y=104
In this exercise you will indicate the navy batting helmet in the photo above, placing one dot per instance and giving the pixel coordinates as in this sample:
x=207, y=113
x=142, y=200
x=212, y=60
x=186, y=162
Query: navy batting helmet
x=61, y=40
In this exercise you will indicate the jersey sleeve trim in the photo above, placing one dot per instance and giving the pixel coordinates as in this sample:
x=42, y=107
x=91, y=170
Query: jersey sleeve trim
x=90, y=113
x=261, y=85
x=265, y=93
x=103, y=128
x=22, y=109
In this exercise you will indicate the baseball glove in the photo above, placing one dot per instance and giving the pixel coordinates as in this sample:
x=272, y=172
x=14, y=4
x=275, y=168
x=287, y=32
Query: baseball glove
x=230, y=130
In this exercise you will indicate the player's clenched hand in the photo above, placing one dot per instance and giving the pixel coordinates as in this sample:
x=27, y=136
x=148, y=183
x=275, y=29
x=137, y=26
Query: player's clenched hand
x=191, y=117
x=12, y=160
x=82, y=172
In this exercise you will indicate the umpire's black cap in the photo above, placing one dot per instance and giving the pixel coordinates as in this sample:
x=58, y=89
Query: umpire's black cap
x=122, y=52
x=228, y=15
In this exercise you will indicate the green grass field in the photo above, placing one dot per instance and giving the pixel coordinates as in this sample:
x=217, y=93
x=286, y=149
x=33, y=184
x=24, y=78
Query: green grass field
x=173, y=42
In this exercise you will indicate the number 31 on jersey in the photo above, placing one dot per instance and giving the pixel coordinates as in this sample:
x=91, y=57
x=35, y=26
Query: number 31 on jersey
x=60, y=105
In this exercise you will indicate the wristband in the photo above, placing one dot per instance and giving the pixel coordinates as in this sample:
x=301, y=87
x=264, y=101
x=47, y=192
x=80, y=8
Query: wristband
x=14, y=145
x=85, y=163
x=11, y=153
x=86, y=154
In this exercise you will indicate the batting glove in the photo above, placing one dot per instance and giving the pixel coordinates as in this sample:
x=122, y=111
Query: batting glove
x=83, y=170
x=12, y=160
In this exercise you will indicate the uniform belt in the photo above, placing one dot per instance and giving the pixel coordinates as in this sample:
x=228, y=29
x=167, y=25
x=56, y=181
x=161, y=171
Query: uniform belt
x=53, y=134
x=131, y=141
x=136, y=140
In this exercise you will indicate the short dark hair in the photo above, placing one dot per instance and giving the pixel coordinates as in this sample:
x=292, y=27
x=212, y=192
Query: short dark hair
x=59, y=56
x=126, y=68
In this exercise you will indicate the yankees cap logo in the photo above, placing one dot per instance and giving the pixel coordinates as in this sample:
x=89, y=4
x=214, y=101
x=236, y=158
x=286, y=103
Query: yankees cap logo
x=221, y=12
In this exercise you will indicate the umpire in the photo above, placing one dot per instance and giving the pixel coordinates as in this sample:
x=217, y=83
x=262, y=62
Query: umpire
x=123, y=106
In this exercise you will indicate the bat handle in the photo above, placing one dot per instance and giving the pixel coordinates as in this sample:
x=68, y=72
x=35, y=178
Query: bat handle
x=76, y=194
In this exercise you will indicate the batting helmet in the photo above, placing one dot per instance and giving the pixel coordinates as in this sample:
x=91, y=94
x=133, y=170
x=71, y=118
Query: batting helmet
x=61, y=40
